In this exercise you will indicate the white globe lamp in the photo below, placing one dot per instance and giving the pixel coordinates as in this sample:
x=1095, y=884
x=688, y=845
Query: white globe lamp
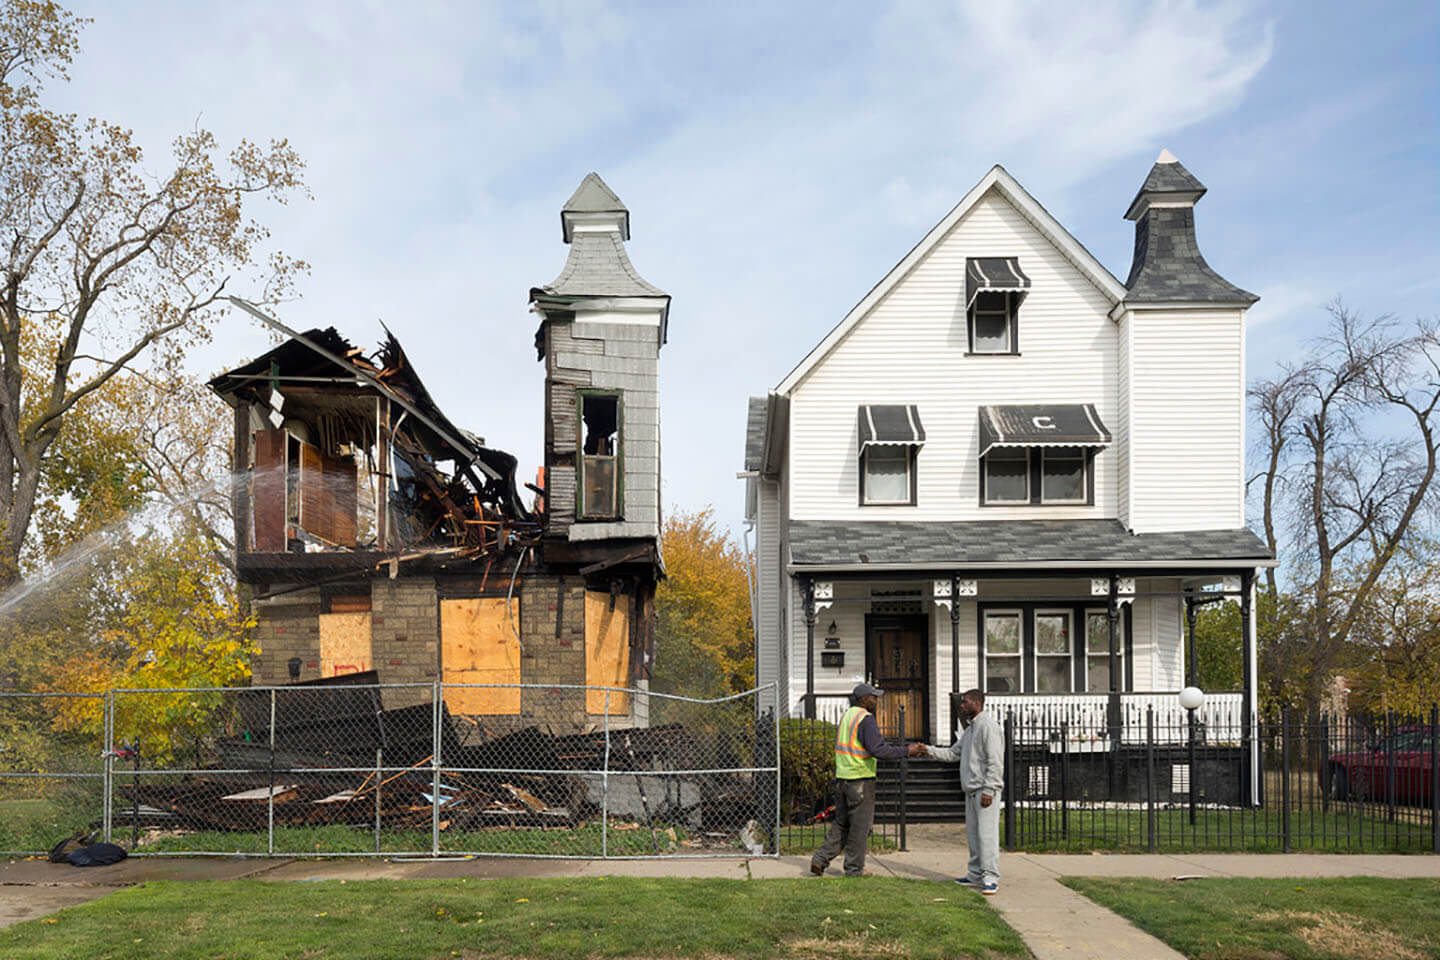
x=1191, y=698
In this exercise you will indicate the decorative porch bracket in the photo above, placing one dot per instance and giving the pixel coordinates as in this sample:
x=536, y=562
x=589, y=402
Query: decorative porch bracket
x=817, y=596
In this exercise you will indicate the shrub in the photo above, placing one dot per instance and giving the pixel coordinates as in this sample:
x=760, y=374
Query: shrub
x=807, y=765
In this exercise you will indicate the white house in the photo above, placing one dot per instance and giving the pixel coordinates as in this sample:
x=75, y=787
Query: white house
x=1005, y=468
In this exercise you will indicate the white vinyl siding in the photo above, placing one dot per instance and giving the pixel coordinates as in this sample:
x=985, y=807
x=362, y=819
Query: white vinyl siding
x=1187, y=420
x=911, y=349
x=769, y=573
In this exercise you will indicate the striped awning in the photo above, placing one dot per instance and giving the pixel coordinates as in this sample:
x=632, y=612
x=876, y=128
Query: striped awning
x=993, y=275
x=897, y=423
x=1041, y=425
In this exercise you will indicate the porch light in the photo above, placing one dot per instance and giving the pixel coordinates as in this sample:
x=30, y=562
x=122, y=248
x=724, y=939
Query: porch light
x=1192, y=698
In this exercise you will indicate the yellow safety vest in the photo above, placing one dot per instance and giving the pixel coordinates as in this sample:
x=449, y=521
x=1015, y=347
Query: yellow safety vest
x=852, y=761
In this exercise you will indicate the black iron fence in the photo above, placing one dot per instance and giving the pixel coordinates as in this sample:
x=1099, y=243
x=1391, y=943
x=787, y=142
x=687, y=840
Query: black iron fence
x=345, y=768
x=1276, y=784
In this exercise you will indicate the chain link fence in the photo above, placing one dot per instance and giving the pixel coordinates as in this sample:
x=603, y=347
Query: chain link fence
x=365, y=769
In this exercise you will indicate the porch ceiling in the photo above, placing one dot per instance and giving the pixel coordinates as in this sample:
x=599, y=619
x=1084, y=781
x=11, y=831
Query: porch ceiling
x=1014, y=543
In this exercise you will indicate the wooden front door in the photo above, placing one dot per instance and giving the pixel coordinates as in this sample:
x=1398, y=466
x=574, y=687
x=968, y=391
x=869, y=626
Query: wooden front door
x=897, y=660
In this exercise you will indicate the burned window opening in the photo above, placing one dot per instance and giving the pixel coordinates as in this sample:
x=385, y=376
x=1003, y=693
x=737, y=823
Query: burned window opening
x=600, y=445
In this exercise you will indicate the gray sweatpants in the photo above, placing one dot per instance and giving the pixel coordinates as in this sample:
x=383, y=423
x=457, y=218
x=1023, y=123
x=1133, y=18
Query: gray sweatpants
x=982, y=834
x=850, y=830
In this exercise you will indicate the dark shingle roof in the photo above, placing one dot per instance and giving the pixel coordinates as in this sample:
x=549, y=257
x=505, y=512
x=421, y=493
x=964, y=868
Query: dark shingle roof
x=599, y=267
x=1168, y=265
x=956, y=543
x=755, y=433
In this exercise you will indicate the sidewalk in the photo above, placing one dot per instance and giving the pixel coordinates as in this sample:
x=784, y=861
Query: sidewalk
x=1055, y=922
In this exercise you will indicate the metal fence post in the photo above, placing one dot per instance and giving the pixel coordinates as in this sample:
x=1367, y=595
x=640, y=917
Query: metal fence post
x=435, y=705
x=1065, y=779
x=1435, y=778
x=107, y=804
x=1285, y=777
x=1390, y=728
x=775, y=721
x=1009, y=772
x=1325, y=772
x=270, y=800
x=1150, y=778
x=379, y=776
x=605, y=787
x=904, y=775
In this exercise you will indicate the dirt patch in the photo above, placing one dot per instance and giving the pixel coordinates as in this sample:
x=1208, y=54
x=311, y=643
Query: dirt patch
x=1343, y=934
x=854, y=946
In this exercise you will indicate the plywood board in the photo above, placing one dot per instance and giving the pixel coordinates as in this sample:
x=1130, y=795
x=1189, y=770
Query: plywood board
x=312, y=491
x=341, y=500
x=607, y=651
x=478, y=646
x=345, y=643
x=267, y=491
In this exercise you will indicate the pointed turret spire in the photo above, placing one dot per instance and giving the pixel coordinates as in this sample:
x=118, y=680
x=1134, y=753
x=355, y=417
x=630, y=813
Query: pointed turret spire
x=594, y=204
x=1167, y=266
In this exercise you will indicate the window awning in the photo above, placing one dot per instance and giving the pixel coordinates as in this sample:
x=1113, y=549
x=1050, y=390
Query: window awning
x=993, y=275
x=1041, y=425
x=882, y=424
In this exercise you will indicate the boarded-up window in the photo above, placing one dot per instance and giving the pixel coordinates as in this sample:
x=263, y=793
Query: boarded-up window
x=607, y=651
x=327, y=496
x=477, y=646
x=345, y=643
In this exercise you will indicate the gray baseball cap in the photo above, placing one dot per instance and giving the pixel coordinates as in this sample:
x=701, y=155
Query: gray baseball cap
x=865, y=690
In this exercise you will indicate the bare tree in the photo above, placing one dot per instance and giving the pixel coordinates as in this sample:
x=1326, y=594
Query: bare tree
x=1349, y=446
x=103, y=264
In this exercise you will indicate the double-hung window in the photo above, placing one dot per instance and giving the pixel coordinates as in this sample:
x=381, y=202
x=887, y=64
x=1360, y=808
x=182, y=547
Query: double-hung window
x=1003, y=651
x=1097, y=651
x=1053, y=671
x=1062, y=475
x=889, y=474
x=992, y=323
x=1007, y=475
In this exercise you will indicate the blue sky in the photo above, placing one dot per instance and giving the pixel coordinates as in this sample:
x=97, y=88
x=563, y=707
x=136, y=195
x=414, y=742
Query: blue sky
x=777, y=160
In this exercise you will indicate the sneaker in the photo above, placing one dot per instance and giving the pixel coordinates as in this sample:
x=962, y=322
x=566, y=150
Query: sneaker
x=990, y=889
x=967, y=882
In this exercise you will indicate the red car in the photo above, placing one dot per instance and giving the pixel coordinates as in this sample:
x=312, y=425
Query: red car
x=1365, y=774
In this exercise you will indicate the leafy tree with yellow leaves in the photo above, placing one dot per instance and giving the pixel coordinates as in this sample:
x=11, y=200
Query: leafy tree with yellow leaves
x=704, y=644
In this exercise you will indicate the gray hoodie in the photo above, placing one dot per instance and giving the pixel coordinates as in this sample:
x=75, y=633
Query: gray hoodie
x=980, y=749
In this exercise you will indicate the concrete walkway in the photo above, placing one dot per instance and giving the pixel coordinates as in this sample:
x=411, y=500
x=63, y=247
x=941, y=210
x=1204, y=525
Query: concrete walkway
x=1055, y=922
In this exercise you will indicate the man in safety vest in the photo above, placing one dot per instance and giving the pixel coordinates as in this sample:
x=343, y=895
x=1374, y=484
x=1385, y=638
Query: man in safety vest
x=858, y=745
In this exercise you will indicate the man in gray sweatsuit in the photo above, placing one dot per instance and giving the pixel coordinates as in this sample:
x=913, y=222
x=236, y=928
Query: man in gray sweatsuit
x=980, y=749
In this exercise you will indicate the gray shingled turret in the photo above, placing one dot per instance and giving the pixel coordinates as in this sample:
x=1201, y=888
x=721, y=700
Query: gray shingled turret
x=596, y=223
x=1167, y=266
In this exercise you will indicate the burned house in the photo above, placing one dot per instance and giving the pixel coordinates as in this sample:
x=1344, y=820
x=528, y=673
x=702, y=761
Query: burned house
x=375, y=534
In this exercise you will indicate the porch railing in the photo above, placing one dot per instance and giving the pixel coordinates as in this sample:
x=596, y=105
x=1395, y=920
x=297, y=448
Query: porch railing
x=1038, y=716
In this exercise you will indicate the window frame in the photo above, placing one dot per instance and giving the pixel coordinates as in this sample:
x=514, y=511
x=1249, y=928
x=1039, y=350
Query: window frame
x=1035, y=655
x=1121, y=641
x=1035, y=478
x=582, y=512
x=912, y=484
x=1086, y=494
x=1018, y=613
x=1011, y=313
x=985, y=499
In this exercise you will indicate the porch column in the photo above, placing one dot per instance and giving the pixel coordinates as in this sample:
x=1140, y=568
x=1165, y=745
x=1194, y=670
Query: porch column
x=1249, y=692
x=807, y=585
x=954, y=636
x=1113, y=717
x=1192, y=669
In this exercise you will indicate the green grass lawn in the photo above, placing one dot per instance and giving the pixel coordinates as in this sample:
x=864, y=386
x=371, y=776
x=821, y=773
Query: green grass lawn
x=583, y=840
x=1246, y=831
x=563, y=918
x=35, y=824
x=1263, y=919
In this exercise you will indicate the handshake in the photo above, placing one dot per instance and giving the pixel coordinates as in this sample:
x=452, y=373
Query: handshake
x=918, y=750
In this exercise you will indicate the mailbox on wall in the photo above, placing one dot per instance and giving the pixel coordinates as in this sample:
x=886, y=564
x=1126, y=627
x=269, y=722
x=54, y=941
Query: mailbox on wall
x=832, y=658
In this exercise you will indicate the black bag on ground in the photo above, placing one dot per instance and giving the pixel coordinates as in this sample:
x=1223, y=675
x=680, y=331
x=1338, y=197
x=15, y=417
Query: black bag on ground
x=60, y=853
x=97, y=855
